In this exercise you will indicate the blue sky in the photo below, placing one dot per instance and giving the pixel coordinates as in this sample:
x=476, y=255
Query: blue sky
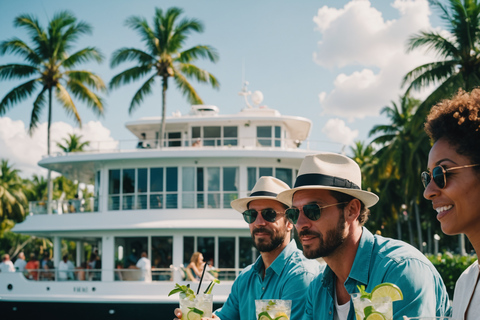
x=335, y=62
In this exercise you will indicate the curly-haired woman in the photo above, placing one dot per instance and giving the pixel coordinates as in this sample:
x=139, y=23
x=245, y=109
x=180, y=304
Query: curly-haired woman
x=453, y=184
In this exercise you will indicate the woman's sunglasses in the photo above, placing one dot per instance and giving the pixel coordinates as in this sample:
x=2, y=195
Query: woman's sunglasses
x=439, y=175
x=311, y=211
x=268, y=214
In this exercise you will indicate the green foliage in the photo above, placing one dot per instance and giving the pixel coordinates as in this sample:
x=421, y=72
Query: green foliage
x=73, y=144
x=12, y=198
x=451, y=267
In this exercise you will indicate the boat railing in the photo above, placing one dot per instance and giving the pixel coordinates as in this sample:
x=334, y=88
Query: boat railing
x=120, y=274
x=64, y=206
x=264, y=143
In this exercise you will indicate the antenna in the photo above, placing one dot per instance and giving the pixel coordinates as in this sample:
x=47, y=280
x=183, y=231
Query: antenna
x=245, y=93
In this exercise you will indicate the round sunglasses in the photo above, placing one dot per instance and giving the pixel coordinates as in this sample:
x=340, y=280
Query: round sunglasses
x=268, y=215
x=439, y=175
x=312, y=211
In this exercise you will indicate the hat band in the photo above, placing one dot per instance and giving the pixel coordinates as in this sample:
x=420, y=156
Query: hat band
x=263, y=194
x=311, y=179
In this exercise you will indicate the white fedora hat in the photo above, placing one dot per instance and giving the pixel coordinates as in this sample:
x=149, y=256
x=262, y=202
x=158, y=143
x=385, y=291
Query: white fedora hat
x=330, y=171
x=266, y=188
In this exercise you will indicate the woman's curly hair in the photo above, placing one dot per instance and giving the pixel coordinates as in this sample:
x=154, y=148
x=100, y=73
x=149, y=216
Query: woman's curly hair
x=458, y=122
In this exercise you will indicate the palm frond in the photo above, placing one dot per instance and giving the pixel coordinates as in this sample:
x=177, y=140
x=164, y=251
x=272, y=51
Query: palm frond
x=196, y=52
x=144, y=90
x=129, y=54
x=129, y=75
x=192, y=71
x=430, y=73
x=81, y=56
x=433, y=41
x=18, y=47
x=84, y=94
x=16, y=71
x=65, y=99
x=186, y=89
x=38, y=105
x=17, y=95
x=140, y=25
x=91, y=79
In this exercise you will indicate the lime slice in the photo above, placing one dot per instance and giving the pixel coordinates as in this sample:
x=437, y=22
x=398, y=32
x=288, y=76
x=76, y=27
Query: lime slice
x=194, y=314
x=358, y=317
x=281, y=316
x=368, y=310
x=264, y=316
x=387, y=290
x=375, y=316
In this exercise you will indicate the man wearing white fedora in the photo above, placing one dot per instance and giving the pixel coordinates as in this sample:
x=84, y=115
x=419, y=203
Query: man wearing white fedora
x=329, y=208
x=281, y=272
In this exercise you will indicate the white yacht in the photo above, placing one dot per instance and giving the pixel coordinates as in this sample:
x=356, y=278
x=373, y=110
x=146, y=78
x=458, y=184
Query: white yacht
x=169, y=201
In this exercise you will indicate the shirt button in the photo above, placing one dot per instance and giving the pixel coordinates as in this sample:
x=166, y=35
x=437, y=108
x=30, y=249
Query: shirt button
x=329, y=312
x=263, y=288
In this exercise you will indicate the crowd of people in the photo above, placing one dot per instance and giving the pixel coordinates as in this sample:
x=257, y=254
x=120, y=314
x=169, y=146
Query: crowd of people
x=328, y=208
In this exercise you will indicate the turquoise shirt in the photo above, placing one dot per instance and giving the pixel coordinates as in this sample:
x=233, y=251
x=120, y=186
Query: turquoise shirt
x=380, y=260
x=287, y=278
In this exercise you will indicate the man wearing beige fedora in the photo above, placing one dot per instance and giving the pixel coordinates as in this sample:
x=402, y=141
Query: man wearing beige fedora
x=329, y=208
x=281, y=271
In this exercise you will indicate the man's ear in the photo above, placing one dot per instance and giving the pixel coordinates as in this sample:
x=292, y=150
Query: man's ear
x=352, y=210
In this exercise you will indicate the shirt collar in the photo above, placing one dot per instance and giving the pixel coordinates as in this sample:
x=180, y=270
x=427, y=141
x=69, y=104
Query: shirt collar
x=279, y=262
x=363, y=258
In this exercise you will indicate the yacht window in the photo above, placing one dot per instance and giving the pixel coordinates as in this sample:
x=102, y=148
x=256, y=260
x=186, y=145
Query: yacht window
x=230, y=136
x=188, y=187
x=246, y=254
x=211, y=136
x=162, y=252
x=156, y=188
x=132, y=248
x=284, y=174
x=206, y=245
x=174, y=139
x=230, y=186
x=200, y=189
x=213, y=200
x=188, y=249
x=172, y=187
x=128, y=188
x=114, y=189
x=142, y=184
x=269, y=136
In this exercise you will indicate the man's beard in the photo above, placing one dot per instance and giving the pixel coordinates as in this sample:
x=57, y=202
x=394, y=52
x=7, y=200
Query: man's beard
x=334, y=239
x=263, y=245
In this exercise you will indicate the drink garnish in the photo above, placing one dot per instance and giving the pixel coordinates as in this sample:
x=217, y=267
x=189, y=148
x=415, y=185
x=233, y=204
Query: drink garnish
x=387, y=290
x=210, y=286
x=264, y=316
x=281, y=316
x=194, y=314
x=185, y=291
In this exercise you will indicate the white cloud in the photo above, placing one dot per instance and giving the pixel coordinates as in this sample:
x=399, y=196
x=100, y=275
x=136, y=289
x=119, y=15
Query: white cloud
x=357, y=35
x=25, y=151
x=337, y=131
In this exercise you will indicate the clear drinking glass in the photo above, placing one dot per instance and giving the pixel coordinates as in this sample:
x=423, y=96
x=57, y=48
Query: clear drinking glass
x=198, y=308
x=364, y=307
x=273, y=309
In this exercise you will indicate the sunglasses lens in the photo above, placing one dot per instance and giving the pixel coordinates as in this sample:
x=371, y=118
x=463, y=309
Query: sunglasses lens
x=312, y=211
x=425, y=178
x=269, y=214
x=292, y=215
x=438, y=177
x=250, y=215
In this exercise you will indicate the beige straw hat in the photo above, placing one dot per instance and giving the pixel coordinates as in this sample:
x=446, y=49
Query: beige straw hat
x=266, y=188
x=330, y=171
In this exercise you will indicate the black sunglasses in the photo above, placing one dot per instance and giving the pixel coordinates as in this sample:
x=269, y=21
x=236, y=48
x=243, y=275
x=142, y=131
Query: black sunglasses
x=268, y=214
x=311, y=211
x=439, y=175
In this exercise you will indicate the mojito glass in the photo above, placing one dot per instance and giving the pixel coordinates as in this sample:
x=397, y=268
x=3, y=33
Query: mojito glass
x=379, y=308
x=197, y=308
x=273, y=309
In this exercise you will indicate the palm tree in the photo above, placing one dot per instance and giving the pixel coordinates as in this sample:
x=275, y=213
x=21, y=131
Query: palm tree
x=73, y=143
x=12, y=198
x=50, y=69
x=163, y=57
x=401, y=157
x=459, y=52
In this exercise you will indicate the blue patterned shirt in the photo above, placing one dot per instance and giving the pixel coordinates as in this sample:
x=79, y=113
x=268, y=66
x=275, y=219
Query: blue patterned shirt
x=380, y=260
x=287, y=278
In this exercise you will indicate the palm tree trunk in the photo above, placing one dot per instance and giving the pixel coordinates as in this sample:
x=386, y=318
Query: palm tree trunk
x=419, y=226
x=49, y=177
x=164, y=107
x=399, y=229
